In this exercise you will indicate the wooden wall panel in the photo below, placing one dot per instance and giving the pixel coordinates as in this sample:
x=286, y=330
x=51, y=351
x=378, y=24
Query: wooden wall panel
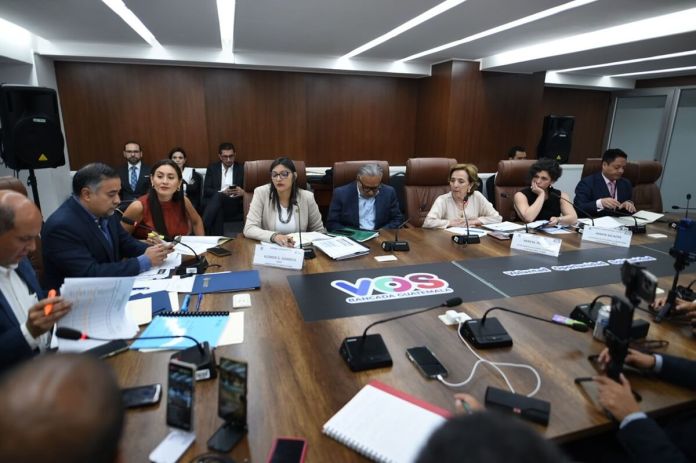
x=433, y=112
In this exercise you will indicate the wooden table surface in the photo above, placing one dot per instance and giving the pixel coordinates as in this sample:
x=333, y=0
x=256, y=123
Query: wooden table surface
x=297, y=380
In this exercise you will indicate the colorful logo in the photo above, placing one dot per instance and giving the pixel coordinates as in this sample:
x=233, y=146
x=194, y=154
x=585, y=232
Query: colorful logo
x=392, y=287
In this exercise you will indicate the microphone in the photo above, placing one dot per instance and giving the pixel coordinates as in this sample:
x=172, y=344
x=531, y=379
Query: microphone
x=199, y=266
x=199, y=354
x=468, y=239
x=580, y=224
x=368, y=352
x=636, y=229
x=492, y=334
x=309, y=250
x=687, y=209
x=396, y=245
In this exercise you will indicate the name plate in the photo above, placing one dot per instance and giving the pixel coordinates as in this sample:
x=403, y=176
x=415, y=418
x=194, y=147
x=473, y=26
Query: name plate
x=278, y=256
x=537, y=244
x=612, y=236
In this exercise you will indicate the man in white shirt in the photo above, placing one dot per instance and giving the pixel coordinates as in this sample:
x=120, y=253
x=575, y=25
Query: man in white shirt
x=25, y=321
x=222, y=190
x=135, y=175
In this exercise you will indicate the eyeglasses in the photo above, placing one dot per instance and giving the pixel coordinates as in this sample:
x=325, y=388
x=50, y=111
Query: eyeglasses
x=369, y=189
x=283, y=174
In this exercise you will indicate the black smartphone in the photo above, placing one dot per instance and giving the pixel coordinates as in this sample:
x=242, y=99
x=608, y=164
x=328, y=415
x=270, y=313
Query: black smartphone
x=109, y=349
x=232, y=405
x=180, y=393
x=219, y=251
x=141, y=396
x=288, y=450
x=426, y=362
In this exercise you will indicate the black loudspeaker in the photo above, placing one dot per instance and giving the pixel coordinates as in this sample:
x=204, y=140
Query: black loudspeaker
x=556, y=138
x=31, y=135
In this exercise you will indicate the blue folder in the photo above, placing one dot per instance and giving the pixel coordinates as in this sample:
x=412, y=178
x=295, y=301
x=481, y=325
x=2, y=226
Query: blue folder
x=160, y=301
x=226, y=282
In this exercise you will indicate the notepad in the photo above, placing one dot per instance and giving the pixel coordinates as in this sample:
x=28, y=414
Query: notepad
x=202, y=326
x=385, y=424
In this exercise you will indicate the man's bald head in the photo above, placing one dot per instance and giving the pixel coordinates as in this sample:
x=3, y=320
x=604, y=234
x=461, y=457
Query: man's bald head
x=20, y=225
x=67, y=405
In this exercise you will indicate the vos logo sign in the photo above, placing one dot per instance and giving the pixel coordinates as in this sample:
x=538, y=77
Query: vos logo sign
x=392, y=287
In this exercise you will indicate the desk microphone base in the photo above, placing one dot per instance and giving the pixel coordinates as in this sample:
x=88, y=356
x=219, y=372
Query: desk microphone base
x=637, y=229
x=205, y=362
x=486, y=336
x=365, y=353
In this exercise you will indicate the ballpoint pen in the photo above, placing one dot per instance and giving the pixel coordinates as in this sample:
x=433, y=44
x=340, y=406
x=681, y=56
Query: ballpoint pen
x=198, y=302
x=184, y=305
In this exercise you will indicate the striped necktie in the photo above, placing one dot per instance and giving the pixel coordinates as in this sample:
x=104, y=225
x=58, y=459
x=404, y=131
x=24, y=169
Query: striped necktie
x=133, y=177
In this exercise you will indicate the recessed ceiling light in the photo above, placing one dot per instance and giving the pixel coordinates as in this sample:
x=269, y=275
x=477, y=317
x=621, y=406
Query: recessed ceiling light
x=655, y=71
x=226, y=10
x=133, y=21
x=503, y=27
x=431, y=13
x=630, y=61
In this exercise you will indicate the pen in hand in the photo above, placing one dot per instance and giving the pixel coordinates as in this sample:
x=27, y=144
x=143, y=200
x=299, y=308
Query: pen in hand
x=48, y=308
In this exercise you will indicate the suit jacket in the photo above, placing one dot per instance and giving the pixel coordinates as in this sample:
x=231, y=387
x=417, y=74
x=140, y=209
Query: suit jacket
x=142, y=187
x=194, y=188
x=13, y=346
x=261, y=219
x=74, y=246
x=213, y=178
x=344, y=209
x=592, y=188
x=645, y=441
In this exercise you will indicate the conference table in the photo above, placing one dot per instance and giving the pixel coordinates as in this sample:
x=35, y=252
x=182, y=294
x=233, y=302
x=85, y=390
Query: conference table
x=297, y=380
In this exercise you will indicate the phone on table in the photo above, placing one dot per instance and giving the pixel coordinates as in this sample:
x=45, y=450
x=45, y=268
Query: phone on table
x=219, y=251
x=232, y=405
x=426, y=362
x=288, y=450
x=109, y=349
x=141, y=396
x=180, y=393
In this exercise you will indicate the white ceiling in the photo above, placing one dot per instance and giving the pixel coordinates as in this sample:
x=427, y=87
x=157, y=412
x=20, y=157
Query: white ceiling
x=313, y=34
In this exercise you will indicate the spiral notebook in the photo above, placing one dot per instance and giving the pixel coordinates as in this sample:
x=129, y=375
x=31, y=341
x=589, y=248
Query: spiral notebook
x=385, y=424
x=202, y=326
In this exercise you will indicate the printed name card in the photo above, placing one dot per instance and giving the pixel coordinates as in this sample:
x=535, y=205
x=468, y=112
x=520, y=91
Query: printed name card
x=278, y=256
x=614, y=236
x=537, y=244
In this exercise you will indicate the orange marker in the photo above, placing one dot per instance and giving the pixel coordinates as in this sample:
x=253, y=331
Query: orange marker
x=48, y=308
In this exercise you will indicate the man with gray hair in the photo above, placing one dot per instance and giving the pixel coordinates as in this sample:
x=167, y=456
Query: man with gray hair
x=366, y=203
x=24, y=324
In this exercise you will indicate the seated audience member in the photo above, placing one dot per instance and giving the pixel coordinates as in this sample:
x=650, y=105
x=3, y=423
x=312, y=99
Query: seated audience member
x=83, y=237
x=483, y=437
x=642, y=438
x=280, y=207
x=463, y=204
x=222, y=190
x=193, y=181
x=24, y=326
x=607, y=191
x=134, y=174
x=541, y=201
x=515, y=153
x=366, y=203
x=165, y=208
x=61, y=408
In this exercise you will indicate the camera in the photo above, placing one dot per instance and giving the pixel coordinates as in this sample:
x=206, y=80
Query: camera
x=640, y=284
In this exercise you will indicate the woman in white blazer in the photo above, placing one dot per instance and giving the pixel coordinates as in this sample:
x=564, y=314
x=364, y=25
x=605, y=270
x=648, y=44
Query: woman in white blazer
x=280, y=208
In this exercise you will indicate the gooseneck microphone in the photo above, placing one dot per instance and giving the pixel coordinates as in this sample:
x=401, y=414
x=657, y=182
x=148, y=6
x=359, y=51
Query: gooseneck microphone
x=309, y=252
x=636, y=228
x=397, y=245
x=468, y=239
x=368, y=352
x=686, y=209
x=199, y=266
x=587, y=214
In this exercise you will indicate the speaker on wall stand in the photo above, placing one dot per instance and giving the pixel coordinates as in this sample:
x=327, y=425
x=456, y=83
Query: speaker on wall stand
x=31, y=133
x=556, y=138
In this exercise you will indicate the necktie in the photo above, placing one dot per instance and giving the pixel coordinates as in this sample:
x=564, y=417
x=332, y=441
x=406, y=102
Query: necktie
x=133, y=177
x=612, y=189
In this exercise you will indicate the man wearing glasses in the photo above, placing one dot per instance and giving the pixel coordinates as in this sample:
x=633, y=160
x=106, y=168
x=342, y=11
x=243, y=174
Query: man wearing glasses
x=222, y=190
x=135, y=176
x=366, y=203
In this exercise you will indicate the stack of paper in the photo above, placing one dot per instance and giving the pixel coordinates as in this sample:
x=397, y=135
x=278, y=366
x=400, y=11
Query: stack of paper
x=505, y=227
x=308, y=237
x=200, y=244
x=642, y=218
x=604, y=222
x=465, y=231
x=341, y=248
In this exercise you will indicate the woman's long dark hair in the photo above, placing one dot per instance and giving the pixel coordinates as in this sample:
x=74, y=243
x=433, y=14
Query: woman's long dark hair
x=273, y=197
x=153, y=201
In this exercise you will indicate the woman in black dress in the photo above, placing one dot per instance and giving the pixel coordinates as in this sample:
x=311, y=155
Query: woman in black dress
x=541, y=201
x=193, y=181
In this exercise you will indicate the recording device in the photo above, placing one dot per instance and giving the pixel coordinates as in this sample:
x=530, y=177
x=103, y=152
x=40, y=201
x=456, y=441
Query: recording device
x=684, y=252
x=288, y=450
x=180, y=393
x=232, y=405
x=529, y=408
x=396, y=245
x=199, y=265
x=426, y=362
x=141, y=396
x=587, y=314
x=200, y=354
x=219, y=251
x=468, y=238
x=368, y=352
x=485, y=333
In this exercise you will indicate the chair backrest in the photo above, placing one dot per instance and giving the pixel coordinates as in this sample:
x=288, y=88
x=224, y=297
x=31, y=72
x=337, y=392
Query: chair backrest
x=345, y=172
x=13, y=183
x=646, y=194
x=257, y=173
x=426, y=179
x=591, y=166
x=513, y=175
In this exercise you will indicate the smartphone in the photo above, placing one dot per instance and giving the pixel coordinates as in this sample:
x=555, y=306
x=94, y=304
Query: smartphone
x=219, y=251
x=141, y=396
x=426, y=362
x=232, y=405
x=109, y=349
x=180, y=392
x=288, y=450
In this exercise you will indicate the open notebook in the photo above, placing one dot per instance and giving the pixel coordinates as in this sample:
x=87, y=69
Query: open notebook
x=385, y=424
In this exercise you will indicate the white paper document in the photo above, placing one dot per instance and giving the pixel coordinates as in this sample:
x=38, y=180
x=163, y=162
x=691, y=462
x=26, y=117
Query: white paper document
x=504, y=226
x=604, y=222
x=172, y=261
x=308, y=237
x=200, y=244
x=341, y=248
x=642, y=218
x=463, y=231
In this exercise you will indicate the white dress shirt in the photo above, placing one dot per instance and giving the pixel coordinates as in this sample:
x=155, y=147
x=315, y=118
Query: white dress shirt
x=17, y=294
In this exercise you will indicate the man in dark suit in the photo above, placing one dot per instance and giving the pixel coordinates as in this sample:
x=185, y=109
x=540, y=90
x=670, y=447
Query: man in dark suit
x=365, y=203
x=84, y=238
x=605, y=192
x=24, y=325
x=642, y=438
x=516, y=153
x=135, y=175
x=222, y=190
